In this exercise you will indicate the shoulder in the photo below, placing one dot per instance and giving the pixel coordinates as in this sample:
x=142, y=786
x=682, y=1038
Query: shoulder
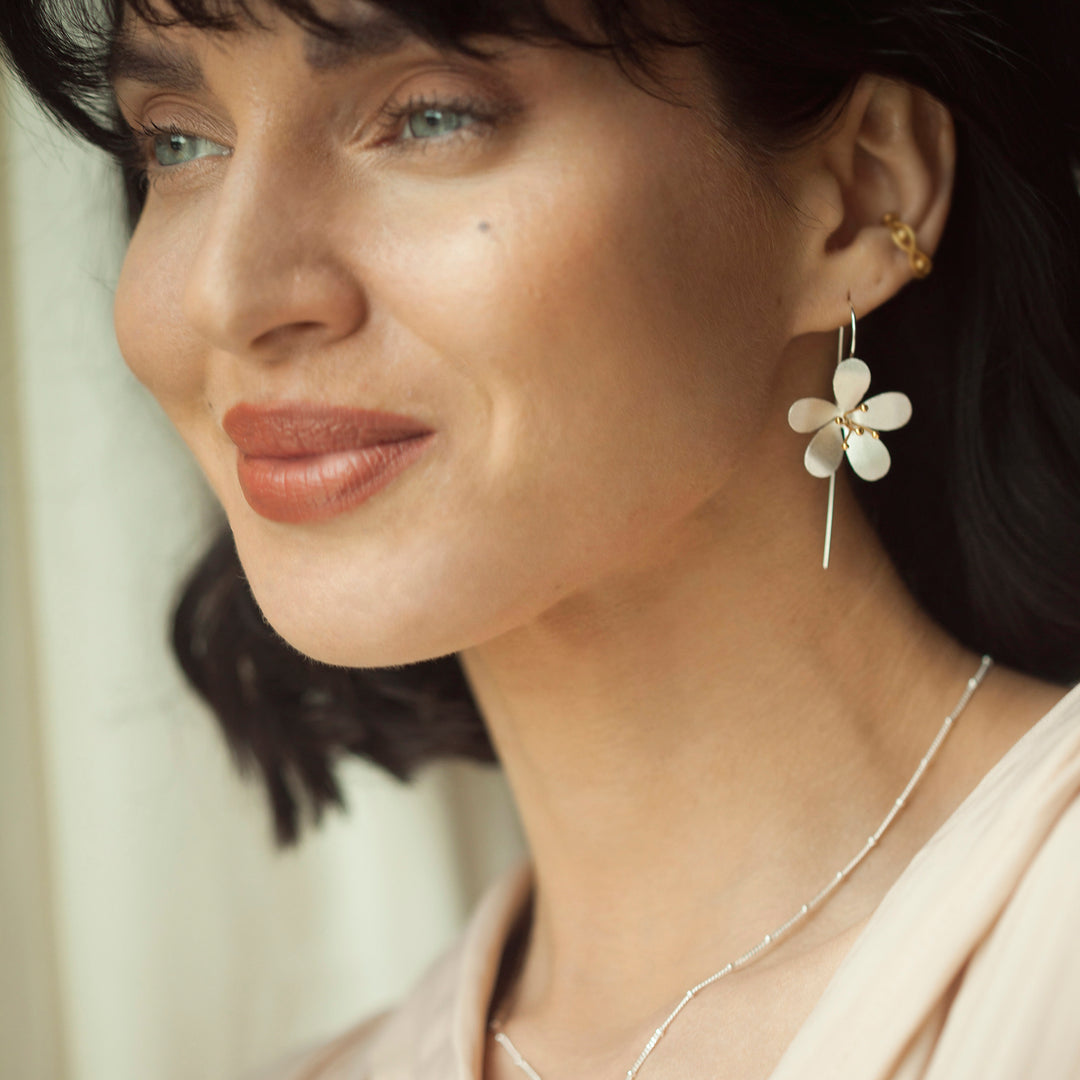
x=440, y=1023
x=970, y=967
x=313, y=1058
x=1015, y=1007
x=364, y=1047
x=1015, y=1002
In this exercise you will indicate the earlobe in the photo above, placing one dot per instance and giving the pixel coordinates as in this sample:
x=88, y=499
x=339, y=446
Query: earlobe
x=890, y=151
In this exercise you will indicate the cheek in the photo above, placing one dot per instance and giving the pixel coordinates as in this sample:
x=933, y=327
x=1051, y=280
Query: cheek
x=154, y=340
x=606, y=305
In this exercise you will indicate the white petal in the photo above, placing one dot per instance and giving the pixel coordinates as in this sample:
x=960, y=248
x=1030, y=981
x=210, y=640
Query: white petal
x=825, y=452
x=810, y=413
x=850, y=381
x=885, y=412
x=869, y=457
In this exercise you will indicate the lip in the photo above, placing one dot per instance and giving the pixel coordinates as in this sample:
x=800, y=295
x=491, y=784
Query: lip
x=305, y=463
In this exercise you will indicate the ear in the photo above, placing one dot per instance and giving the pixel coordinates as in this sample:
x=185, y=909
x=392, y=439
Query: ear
x=891, y=149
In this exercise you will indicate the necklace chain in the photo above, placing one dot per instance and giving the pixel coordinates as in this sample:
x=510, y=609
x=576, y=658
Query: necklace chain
x=771, y=938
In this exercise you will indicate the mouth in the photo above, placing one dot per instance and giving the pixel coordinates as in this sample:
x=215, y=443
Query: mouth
x=300, y=463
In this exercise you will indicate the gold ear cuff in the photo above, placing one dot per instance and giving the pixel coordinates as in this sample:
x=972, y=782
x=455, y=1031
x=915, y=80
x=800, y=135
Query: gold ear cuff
x=903, y=236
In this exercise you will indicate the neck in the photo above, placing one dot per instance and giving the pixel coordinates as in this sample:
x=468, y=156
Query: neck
x=699, y=742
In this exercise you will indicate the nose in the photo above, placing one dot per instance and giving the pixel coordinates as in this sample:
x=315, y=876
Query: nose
x=271, y=275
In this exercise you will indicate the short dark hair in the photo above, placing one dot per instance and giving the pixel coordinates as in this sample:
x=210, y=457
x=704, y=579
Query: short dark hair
x=981, y=514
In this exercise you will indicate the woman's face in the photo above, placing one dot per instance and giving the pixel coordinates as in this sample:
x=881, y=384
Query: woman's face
x=558, y=276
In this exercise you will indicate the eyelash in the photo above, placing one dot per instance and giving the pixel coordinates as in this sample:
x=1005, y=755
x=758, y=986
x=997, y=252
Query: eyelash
x=138, y=154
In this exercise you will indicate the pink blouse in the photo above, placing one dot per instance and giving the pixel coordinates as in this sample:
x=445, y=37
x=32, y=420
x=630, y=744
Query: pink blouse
x=968, y=970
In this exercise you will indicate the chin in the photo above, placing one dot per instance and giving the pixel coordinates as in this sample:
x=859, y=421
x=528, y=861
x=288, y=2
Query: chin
x=347, y=645
x=348, y=613
x=334, y=629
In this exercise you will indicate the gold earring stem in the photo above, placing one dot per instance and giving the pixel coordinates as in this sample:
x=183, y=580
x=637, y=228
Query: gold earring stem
x=903, y=236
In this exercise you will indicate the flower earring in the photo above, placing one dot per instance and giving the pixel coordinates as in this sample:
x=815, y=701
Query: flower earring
x=848, y=426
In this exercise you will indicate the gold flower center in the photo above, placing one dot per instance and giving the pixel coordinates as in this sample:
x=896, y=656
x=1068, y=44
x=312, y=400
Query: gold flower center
x=845, y=421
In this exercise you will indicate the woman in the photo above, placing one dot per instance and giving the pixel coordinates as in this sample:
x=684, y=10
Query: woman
x=489, y=324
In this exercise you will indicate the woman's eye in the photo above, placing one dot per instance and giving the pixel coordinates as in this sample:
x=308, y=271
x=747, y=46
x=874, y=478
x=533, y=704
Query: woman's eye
x=174, y=147
x=426, y=123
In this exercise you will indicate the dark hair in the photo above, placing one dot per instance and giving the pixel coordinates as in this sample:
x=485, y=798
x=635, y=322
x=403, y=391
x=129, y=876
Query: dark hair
x=982, y=512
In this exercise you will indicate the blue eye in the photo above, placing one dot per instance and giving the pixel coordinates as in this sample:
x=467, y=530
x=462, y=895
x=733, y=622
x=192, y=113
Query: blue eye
x=163, y=147
x=176, y=148
x=430, y=122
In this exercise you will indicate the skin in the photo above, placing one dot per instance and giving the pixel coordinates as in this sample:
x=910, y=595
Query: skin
x=604, y=313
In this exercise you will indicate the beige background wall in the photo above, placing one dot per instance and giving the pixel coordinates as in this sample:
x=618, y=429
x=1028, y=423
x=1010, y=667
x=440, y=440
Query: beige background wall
x=147, y=926
x=31, y=1029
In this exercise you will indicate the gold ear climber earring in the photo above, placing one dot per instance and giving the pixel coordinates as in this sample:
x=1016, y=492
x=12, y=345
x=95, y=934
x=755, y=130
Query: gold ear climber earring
x=848, y=426
x=903, y=236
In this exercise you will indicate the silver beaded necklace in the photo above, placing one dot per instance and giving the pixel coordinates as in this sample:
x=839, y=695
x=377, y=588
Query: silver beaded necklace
x=771, y=938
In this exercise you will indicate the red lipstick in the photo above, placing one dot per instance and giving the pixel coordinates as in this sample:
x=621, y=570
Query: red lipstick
x=303, y=463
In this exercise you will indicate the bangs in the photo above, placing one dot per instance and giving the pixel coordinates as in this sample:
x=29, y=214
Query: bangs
x=446, y=23
x=62, y=48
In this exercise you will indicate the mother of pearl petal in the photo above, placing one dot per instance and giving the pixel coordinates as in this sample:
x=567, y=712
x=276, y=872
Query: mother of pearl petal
x=810, y=413
x=869, y=457
x=886, y=412
x=825, y=452
x=850, y=381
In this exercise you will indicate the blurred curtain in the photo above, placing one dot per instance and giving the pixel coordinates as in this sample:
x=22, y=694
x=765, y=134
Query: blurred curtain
x=148, y=928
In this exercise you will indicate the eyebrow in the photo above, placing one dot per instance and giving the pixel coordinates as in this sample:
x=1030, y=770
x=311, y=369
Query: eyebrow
x=361, y=39
x=155, y=64
x=173, y=66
